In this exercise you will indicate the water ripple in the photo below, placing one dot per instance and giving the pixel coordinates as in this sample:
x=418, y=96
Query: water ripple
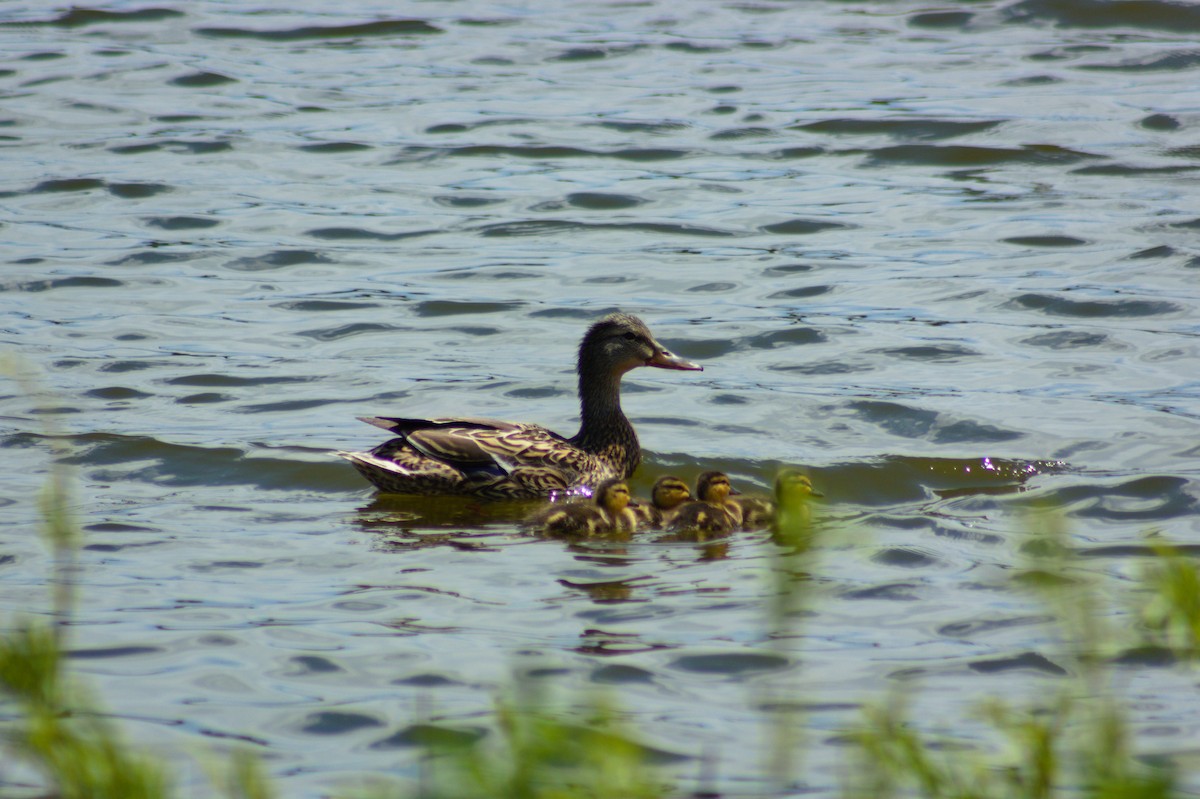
x=387, y=27
x=1145, y=14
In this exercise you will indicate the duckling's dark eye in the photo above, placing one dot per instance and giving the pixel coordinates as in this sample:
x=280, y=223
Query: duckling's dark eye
x=632, y=336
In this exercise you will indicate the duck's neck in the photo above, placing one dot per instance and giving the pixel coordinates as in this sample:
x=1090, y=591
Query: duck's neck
x=604, y=430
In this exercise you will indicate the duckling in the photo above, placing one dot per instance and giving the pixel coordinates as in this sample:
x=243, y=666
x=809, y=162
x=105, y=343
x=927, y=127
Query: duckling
x=792, y=511
x=668, y=494
x=760, y=511
x=712, y=513
x=756, y=511
x=607, y=511
x=490, y=459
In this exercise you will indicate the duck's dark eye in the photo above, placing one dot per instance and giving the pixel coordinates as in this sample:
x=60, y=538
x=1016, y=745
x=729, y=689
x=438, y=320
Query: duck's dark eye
x=632, y=336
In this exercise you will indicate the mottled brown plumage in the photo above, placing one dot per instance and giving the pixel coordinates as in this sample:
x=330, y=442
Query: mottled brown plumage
x=756, y=511
x=507, y=460
x=711, y=512
x=606, y=513
x=668, y=494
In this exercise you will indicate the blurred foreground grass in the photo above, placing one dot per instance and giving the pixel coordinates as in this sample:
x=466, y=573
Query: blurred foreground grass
x=1074, y=741
x=58, y=730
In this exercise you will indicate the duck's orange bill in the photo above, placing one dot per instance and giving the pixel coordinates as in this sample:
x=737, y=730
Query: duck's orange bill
x=663, y=359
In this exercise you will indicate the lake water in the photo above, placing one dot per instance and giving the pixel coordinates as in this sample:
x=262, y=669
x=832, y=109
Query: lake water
x=934, y=254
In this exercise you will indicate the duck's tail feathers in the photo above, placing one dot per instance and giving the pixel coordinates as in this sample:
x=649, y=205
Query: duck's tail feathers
x=369, y=460
x=421, y=476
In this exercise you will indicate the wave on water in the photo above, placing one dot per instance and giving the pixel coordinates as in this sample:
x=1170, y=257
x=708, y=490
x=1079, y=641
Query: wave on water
x=386, y=27
x=112, y=458
x=1146, y=14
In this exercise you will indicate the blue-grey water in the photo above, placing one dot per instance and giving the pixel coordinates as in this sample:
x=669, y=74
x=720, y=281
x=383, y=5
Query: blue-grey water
x=943, y=256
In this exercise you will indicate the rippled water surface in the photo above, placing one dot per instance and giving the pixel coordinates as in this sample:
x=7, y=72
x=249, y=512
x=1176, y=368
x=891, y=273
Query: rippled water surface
x=928, y=252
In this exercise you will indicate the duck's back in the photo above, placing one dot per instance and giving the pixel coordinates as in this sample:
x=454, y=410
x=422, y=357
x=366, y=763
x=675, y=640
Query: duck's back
x=478, y=457
x=570, y=518
x=756, y=511
x=647, y=516
x=703, y=516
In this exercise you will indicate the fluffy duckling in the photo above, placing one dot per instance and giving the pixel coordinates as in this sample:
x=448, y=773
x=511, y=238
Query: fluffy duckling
x=712, y=512
x=760, y=511
x=607, y=511
x=793, y=492
x=668, y=494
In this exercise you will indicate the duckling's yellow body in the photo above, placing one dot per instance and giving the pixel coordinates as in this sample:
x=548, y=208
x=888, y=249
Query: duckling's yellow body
x=505, y=460
x=757, y=512
x=792, y=506
x=605, y=513
x=668, y=494
x=712, y=512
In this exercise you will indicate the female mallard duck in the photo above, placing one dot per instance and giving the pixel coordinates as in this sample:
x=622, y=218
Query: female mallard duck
x=760, y=511
x=712, y=512
x=668, y=494
x=607, y=511
x=511, y=460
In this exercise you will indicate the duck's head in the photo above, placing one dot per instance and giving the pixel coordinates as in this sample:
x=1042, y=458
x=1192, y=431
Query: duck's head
x=613, y=495
x=794, y=483
x=668, y=492
x=620, y=342
x=713, y=487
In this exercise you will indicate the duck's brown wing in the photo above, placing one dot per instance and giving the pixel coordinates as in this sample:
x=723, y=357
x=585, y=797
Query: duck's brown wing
x=485, y=457
x=402, y=426
x=531, y=459
x=469, y=442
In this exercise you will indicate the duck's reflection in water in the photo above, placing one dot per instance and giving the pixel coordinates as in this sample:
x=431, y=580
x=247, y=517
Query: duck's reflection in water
x=441, y=512
x=402, y=522
x=605, y=591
